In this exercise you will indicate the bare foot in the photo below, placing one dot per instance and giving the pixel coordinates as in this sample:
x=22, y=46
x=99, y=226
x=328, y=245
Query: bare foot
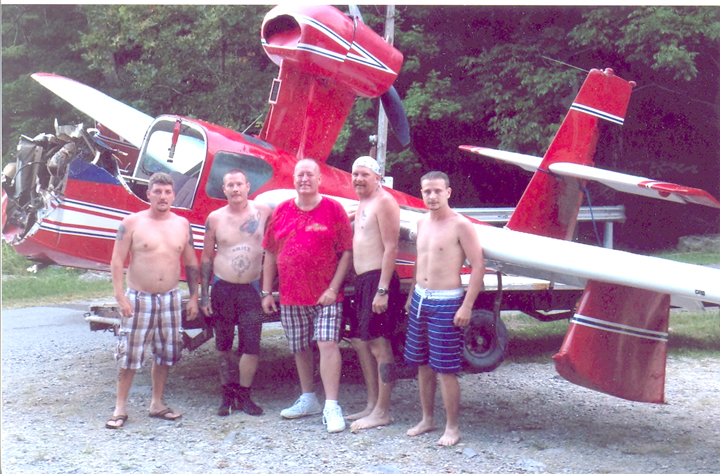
x=450, y=438
x=422, y=427
x=362, y=414
x=370, y=421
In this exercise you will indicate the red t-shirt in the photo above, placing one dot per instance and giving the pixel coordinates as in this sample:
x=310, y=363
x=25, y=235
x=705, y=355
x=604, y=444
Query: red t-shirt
x=307, y=245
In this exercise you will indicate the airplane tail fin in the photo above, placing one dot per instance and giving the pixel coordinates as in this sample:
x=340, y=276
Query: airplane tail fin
x=617, y=342
x=551, y=203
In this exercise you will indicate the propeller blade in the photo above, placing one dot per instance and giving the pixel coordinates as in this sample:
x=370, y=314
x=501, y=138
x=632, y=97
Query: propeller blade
x=355, y=12
x=396, y=116
x=391, y=101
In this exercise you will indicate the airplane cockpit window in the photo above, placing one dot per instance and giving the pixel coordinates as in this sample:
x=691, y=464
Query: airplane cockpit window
x=258, y=172
x=177, y=148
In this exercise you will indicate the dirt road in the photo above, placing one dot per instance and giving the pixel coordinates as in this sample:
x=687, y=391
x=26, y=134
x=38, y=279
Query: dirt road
x=58, y=389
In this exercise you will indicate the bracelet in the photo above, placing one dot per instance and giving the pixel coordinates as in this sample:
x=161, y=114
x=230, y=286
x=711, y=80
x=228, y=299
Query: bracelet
x=263, y=294
x=331, y=288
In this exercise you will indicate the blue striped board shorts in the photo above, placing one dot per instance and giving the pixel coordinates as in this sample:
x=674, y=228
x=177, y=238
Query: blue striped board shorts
x=156, y=322
x=432, y=338
x=304, y=324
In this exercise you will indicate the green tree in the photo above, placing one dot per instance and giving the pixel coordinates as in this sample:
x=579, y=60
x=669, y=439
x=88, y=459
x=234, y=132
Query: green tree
x=36, y=38
x=199, y=61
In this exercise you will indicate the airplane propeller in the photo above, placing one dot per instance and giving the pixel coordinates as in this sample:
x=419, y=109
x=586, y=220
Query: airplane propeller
x=391, y=101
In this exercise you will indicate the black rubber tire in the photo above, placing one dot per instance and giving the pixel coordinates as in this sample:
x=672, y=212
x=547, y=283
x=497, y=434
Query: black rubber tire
x=484, y=348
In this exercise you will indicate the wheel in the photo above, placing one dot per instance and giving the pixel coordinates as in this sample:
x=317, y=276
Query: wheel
x=484, y=343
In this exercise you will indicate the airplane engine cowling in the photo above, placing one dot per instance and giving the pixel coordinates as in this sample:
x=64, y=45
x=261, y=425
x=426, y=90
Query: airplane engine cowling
x=617, y=342
x=326, y=61
x=322, y=41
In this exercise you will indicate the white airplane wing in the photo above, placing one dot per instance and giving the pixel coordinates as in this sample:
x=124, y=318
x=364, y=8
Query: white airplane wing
x=526, y=162
x=619, y=181
x=636, y=184
x=122, y=119
x=573, y=263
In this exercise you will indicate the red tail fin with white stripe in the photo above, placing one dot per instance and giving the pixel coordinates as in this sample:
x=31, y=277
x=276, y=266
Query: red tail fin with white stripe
x=550, y=205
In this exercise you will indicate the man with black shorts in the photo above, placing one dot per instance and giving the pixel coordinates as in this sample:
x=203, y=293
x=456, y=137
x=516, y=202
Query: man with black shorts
x=151, y=306
x=308, y=244
x=439, y=307
x=377, y=290
x=235, y=232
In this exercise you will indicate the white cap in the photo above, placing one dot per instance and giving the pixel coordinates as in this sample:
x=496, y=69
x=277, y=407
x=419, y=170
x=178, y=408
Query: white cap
x=368, y=162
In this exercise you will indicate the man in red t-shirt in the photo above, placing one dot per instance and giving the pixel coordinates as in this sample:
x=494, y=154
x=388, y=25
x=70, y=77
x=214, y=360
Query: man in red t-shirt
x=308, y=243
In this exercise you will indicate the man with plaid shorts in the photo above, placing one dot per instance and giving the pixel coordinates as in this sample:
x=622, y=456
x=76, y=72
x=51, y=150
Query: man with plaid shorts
x=308, y=244
x=438, y=307
x=151, y=306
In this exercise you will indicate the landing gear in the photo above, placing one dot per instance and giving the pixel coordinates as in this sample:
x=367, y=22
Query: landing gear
x=484, y=342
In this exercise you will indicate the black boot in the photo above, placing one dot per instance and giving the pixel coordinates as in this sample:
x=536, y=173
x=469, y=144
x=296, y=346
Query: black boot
x=228, y=399
x=243, y=401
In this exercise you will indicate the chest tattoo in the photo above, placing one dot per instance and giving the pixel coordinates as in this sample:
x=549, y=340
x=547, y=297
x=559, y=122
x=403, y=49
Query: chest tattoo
x=240, y=263
x=252, y=224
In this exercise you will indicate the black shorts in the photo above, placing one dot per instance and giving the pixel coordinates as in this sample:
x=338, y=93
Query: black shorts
x=236, y=304
x=366, y=324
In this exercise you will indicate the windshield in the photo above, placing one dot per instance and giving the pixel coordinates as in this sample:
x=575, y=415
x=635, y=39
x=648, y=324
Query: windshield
x=187, y=156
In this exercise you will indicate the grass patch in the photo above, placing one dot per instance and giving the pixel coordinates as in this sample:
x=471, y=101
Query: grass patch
x=51, y=285
x=694, y=334
x=697, y=258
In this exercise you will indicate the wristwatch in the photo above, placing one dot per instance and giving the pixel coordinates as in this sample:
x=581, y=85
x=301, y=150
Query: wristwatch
x=263, y=294
x=381, y=291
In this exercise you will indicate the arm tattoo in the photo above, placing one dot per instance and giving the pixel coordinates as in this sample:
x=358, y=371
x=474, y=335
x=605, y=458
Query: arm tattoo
x=191, y=274
x=207, y=225
x=206, y=269
x=120, y=232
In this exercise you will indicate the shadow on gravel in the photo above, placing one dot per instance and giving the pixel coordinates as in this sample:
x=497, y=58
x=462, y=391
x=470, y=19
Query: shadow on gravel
x=681, y=342
x=276, y=374
x=526, y=349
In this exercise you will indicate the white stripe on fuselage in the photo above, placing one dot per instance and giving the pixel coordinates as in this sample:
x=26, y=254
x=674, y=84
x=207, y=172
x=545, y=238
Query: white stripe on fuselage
x=81, y=218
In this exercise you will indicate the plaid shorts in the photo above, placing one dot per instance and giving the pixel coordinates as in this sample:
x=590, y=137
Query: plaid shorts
x=304, y=324
x=432, y=337
x=156, y=321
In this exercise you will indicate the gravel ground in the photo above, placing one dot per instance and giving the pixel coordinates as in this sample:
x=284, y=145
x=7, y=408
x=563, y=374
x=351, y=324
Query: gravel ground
x=58, y=389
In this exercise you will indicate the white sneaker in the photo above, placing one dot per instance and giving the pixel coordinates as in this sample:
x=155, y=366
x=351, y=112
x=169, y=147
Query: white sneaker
x=302, y=407
x=333, y=418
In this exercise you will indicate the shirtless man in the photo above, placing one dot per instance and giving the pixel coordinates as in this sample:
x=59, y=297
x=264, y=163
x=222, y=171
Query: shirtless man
x=437, y=308
x=237, y=231
x=156, y=240
x=377, y=290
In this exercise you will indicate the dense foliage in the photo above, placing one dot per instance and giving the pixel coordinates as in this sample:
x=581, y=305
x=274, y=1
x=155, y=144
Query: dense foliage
x=499, y=76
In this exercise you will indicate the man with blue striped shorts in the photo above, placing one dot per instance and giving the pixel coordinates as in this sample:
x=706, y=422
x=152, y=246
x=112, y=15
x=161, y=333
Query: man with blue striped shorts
x=438, y=307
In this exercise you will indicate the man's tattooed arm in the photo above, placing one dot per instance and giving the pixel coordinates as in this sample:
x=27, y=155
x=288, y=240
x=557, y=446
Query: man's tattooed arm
x=191, y=273
x=206, y=269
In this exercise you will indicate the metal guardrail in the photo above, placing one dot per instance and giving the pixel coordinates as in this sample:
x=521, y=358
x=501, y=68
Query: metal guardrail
x=501, y=215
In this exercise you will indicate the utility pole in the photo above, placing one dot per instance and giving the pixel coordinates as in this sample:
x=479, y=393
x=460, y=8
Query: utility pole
x=382, y=118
